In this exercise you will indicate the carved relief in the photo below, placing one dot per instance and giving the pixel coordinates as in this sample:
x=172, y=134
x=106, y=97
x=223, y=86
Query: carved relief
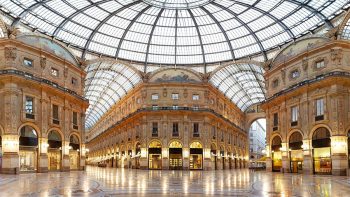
x=43, y=62
x=336, y=55
x=305, y=64
x=185, y=93
x=283, y=74
x=10, y=53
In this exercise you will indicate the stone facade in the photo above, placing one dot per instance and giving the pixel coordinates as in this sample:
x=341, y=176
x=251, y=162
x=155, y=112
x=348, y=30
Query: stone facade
x=33, y=81
x=308, y=94
x=220, y=142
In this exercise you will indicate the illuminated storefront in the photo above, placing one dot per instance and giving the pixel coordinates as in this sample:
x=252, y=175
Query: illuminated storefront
x=196, y=156
x=296, y=152
x=74, y=151
x=54, y=150
x=137, y=155
x=222, y=156
x=175, y=155
x=276, y=154
x=155, y=155
x=28, y=149
x=321, y=144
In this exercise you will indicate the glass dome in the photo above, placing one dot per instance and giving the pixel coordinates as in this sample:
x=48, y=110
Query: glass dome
x=175, y=32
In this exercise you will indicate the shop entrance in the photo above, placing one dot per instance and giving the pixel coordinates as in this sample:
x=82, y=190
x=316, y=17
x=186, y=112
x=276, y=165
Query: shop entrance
x=321, y=144
x=276, y=154
x=155, y=155
x=74, y=151
x=196, y=156
x=175, y=155
x=296, y=152
x=229, y=155
x=54, y=150
x=28, y=149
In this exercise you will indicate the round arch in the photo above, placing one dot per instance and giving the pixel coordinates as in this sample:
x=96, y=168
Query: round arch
x=196, y=144
x=273, y=136
x=58, y=131
x=76, y=134
x=291, y=132
x=34, y=126
x=175, y=144
x=317, y=127
x=154, y=144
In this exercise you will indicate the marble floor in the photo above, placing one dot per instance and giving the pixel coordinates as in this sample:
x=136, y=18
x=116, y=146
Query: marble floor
x=123, y=182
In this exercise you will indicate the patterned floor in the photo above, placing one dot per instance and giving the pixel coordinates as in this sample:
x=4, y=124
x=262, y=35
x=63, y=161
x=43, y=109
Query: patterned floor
x=119, y=182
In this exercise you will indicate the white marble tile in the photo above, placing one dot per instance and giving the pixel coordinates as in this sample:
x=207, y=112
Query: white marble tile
x=123, y=182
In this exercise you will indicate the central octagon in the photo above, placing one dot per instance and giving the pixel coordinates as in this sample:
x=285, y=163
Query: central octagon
x=177, y=4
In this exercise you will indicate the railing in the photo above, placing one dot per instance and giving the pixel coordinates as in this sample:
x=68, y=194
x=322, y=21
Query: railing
x=30, y=76
x=308, y=82
x=152, y=109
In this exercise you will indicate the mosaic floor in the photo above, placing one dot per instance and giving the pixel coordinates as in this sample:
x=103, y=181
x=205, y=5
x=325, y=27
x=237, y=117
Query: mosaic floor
x=119, y=182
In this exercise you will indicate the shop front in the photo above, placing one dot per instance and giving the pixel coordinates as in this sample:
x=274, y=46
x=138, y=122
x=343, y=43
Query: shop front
x=276, y=154
x=296, y=152
x=28, y=149
x=155, y=156
x=175, y=155
x=74, y=152
x=54, y=151
x=229, y=155
x=196, y=156
x=321, y=144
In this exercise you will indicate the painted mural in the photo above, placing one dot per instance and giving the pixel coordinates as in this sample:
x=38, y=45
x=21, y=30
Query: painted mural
x=172, y=75
x=48, y=45
x=297, y=48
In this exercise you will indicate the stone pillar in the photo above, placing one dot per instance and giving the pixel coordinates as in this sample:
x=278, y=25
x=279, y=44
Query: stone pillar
x=65, y=156
x=43, y=163
x=339, y=155
x=207, y=164
x=268, y=158
x=186, y=161
x=219, y=163
x=227, y=163
x=10, y=157
x=307, y=159
x=82, y=162
x=285, y=158
x=165, y=159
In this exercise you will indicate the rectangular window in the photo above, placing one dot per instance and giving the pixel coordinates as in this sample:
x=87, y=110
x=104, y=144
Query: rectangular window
x=55, y=115
x=54, y=72
x=294, y=113
x=29, y=105
x=222, y=136
x=175, y=129
x=175, y=96
x=155, y=129
x=28, y=62
x=195, y=129
x=319, y=107
x=155, y=96
x=195, y=97
x=195, y=107
x=320, y=64
x=74, y=81
x=75, y=120
x=275, y=119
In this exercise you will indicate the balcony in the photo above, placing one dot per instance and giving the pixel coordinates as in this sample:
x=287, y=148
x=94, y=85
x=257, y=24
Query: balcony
x=55, y=121
x=319, y=118
x=75, y=127
x=294, y=124
x=275, y=128
x=195, y=134
x=154, y=134
x=30, y=116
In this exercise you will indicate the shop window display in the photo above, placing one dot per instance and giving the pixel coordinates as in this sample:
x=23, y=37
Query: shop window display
x=74, y=152
x=196, y=156
x=28, y=149
x=321, y=144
